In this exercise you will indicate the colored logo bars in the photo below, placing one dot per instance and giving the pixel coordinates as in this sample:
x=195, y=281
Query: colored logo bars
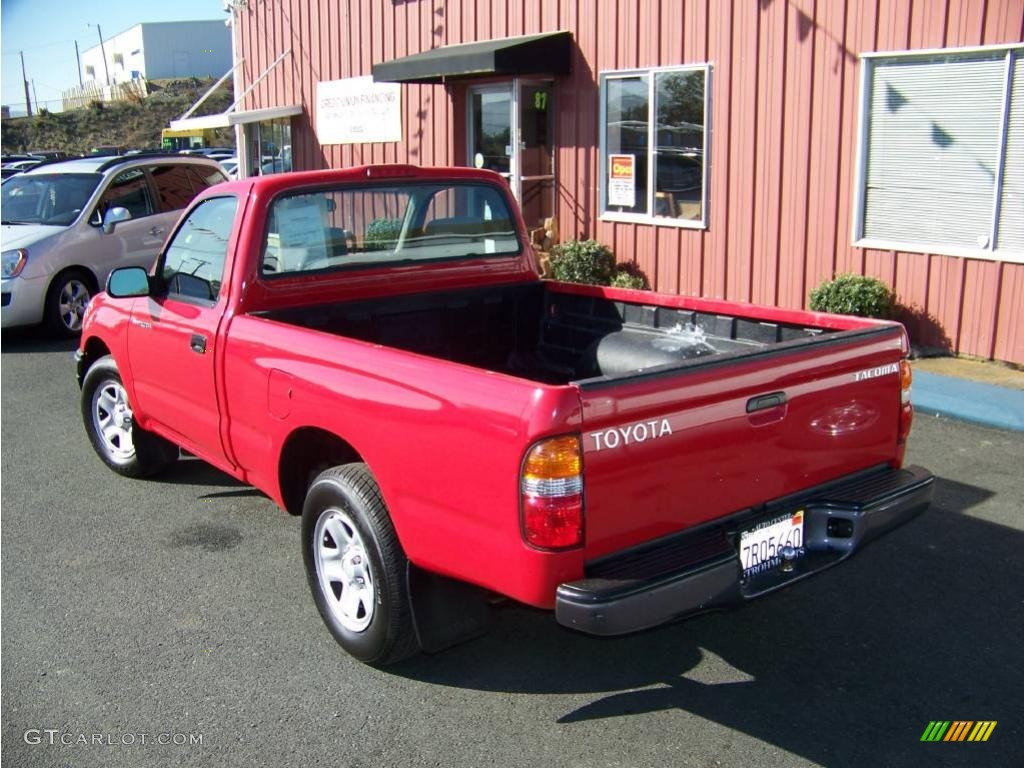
x=958, y=730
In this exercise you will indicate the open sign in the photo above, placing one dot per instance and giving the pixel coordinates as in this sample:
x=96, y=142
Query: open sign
x=623, y=167
x=622, y=180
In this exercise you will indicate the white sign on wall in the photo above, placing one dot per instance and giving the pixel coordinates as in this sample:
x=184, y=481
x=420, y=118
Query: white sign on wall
x=357, y=110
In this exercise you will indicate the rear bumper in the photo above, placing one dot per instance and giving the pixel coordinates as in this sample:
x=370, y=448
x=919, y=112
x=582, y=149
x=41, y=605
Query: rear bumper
x=699, y=570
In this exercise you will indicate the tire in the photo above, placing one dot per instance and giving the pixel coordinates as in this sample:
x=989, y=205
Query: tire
x=118, y=441
x=356, y=566
x=66, y=300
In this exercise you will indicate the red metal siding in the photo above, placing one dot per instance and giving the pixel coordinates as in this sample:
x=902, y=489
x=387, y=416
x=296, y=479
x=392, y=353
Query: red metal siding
x=784, y=105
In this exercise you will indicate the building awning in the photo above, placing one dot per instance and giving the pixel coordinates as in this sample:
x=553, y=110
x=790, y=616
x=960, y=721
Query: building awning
x=240, y=117
x=232, y=115
x=546, y=54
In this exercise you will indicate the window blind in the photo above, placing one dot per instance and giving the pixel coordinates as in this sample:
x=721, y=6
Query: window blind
x=933, y=149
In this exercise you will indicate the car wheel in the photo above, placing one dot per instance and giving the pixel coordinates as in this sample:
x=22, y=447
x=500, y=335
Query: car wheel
x=356, y=566
x=66, y=301
x=117, y=439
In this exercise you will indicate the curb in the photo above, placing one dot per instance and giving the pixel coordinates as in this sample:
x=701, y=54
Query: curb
x=967, y=400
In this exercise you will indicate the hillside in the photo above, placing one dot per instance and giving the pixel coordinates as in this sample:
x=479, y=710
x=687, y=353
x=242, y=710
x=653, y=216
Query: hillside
x=132, y=124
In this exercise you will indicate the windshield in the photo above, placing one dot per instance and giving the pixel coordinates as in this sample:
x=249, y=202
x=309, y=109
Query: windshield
x=359, y=227
x=51, y=198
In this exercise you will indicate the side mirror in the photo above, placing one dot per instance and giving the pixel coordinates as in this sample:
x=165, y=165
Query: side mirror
x=113, y=216
x=128, y=282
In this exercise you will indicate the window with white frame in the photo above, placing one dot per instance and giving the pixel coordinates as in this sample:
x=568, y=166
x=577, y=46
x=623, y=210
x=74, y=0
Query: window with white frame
x=941, y=166
x=654, y=142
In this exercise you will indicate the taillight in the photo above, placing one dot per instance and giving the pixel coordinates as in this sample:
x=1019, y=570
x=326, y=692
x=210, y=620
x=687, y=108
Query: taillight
x=906, y=409
x=551, y=493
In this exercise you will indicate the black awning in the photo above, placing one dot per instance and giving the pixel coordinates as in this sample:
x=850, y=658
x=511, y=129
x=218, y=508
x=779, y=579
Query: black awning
x=547, y=54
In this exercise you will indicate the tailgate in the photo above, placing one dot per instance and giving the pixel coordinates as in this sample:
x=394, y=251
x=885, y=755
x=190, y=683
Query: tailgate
x=670, y=449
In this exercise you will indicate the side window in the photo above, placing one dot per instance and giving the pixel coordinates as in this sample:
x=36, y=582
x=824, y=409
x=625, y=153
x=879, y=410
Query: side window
x=204, y=177
x=129, y=190
x=194, y=263
x=173, y=185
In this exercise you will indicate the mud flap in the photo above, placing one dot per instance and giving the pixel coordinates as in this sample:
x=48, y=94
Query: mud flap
x=445, y=612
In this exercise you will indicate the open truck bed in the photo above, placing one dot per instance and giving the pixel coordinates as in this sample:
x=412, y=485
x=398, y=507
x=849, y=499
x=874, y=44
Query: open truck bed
x=556, y=334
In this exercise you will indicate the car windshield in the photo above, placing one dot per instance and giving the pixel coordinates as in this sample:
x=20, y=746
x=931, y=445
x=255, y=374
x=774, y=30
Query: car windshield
x=48, y=198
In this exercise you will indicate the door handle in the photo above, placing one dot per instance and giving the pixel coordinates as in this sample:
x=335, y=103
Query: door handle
x=157, y=231
x=764, y=402
x=198, y=343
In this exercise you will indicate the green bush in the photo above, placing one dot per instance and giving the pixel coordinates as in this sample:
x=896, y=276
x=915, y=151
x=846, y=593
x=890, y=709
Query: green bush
x=582, y=261
x=382, y=234
x=628, y=276
x=853, y=295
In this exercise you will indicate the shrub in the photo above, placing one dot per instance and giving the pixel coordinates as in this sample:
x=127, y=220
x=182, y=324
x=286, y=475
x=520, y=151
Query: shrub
x=853, y=295
x=582, y=261
x=382, y=234
x=629, y=276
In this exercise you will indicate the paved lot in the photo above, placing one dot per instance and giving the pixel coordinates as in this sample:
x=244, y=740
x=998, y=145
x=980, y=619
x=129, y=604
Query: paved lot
x=179, y=607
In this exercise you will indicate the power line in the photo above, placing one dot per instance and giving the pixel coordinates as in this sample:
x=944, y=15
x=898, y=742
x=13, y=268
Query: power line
x=38, y=47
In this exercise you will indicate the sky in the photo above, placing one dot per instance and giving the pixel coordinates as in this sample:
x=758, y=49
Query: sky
x=46, y=30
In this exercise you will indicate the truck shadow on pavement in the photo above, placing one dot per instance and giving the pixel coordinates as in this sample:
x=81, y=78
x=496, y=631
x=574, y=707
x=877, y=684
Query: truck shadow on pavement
x=843, y=669
x=34, y=340
x=189, y=470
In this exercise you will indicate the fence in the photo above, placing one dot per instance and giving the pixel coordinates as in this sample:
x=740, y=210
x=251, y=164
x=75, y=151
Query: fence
x=129, y=90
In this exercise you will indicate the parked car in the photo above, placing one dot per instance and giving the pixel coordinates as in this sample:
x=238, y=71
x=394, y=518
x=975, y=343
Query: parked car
x=67, y=224
x=374, y=349
x=230, y=166
x=20, y=166
x=13, y=169
x=280, y=163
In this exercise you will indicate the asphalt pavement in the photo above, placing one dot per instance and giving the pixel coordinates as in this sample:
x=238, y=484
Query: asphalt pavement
x=168, y=622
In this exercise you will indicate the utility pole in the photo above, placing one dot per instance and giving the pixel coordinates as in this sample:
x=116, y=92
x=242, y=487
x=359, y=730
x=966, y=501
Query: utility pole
x=78, y=61
x=103, y=53
x=35, y=96
x=28, y=101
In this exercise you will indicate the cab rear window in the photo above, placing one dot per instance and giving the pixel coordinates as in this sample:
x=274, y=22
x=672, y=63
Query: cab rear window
x=360, y=227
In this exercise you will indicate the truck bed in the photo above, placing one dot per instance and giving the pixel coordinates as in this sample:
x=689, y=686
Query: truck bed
x=538, y=332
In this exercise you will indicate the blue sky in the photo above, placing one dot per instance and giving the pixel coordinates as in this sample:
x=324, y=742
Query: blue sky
x=46, y=30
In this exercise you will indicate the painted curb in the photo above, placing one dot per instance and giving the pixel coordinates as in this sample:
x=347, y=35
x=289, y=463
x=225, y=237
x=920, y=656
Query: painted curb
x=967, y=400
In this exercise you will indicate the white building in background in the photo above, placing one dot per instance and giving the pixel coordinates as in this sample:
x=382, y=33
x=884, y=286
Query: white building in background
x=156, y=50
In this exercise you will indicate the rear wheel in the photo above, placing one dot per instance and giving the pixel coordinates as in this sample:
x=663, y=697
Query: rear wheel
x=66, y=302
x=356, y=566
x=117, y=439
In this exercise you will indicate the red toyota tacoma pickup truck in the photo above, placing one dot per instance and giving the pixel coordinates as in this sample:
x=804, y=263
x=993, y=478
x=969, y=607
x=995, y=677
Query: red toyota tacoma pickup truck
x=374, y=349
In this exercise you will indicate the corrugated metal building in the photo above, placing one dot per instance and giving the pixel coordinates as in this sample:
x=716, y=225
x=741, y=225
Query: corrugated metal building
x=160, y=49
x=744, y=150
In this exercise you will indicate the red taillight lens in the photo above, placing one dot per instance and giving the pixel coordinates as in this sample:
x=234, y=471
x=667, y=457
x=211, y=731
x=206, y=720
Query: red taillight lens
x=906, y=421
x=906, y=409
x=551, y=494
x=554, y=523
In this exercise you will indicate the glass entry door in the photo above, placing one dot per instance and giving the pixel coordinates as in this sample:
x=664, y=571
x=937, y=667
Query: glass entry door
x=490, y=129
x=511, y=131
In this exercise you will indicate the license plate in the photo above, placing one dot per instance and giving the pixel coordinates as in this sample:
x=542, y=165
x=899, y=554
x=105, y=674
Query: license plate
x=761, y=547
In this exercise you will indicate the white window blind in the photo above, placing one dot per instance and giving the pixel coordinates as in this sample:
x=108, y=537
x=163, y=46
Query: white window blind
x=944, y=152
x=1011, y=199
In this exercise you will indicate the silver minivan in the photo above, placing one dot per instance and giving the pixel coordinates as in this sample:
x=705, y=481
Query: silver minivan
x=67, y=225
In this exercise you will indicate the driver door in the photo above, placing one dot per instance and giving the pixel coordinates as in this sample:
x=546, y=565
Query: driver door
x=172, y=337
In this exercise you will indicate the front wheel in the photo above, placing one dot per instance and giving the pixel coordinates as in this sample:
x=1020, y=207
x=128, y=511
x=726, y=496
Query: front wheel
x=356, y=566
x=117, y=439
x=66, y=302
